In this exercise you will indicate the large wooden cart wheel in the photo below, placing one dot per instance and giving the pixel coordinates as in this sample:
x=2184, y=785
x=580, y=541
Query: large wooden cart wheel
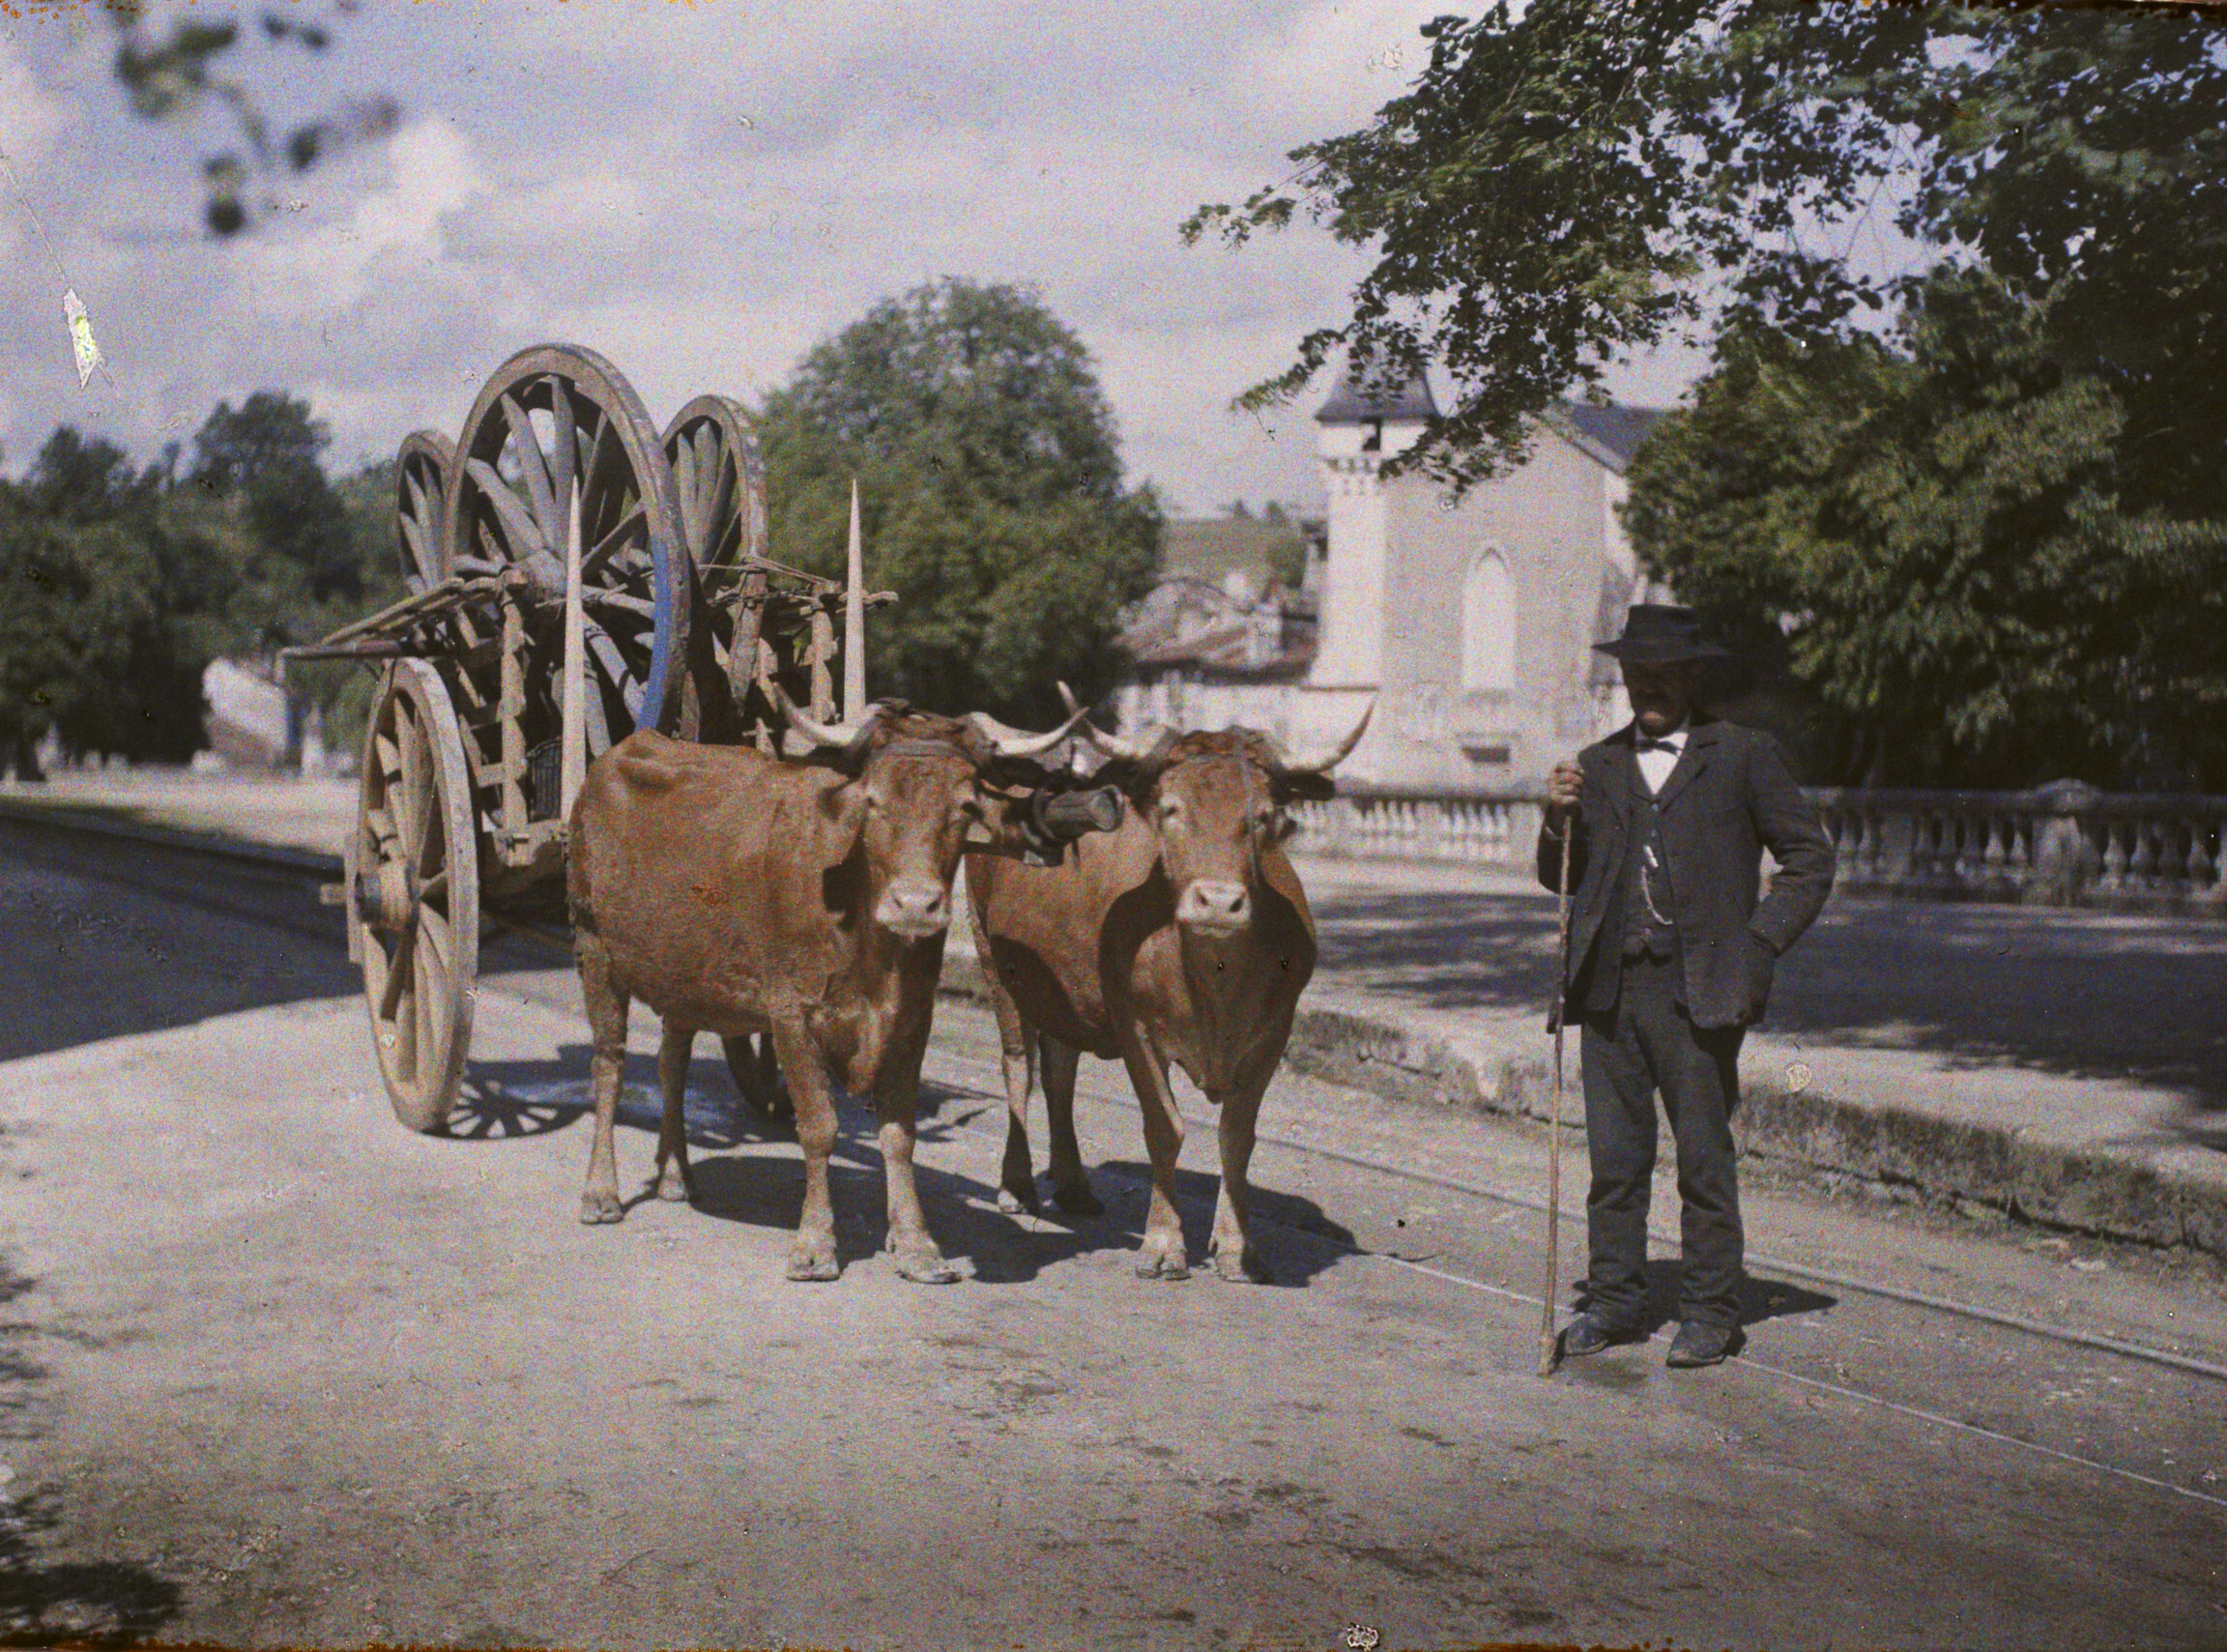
x=422, y=472
x=721, y=480
x=414, y=885
x=559, y=443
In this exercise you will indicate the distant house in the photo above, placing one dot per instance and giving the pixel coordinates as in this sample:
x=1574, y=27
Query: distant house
x=254, y=725
x=1223, y=615
x=1472, y=624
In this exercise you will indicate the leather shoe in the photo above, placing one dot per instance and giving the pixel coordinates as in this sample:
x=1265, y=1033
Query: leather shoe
x=1699, y=1342
x=1590, y=1332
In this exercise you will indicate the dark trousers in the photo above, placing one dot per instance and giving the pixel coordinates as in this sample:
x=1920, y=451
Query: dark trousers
x=1644, y=1045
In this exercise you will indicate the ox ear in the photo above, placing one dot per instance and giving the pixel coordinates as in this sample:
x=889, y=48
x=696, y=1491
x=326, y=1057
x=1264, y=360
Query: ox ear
x=841, y=810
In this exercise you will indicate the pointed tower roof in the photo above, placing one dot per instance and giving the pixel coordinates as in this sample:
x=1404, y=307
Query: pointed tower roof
x=1352, y=402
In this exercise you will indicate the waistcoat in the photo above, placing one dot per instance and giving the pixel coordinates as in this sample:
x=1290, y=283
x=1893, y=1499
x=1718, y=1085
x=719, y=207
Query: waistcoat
x=1647, y=871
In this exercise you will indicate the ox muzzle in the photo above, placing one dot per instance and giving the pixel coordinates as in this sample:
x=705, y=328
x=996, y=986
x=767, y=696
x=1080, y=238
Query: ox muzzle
x=1214, y=907
x=915, y=909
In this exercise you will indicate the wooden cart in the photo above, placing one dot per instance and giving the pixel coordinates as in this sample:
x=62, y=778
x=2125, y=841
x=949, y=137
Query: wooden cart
x=573, y=576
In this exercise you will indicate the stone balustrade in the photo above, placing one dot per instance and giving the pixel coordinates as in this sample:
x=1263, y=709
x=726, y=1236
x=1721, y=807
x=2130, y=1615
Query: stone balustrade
x=2061, y=845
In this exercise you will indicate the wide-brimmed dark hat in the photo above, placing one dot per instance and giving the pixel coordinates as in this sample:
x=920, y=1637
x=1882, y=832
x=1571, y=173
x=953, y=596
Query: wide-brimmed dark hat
x=1655, y=633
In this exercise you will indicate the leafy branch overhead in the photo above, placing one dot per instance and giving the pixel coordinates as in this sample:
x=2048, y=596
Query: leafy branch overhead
x=174, y=77
x=1592, y=177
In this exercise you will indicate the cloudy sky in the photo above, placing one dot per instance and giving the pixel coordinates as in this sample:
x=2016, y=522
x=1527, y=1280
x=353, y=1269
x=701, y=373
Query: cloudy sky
x=701, y=192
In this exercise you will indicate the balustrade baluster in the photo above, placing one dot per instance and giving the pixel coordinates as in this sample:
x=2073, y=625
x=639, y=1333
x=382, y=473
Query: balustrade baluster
x=2142, y=865
x=2114, y=878
x=2202, y=870
x=1995, y=858
x=1844, y=824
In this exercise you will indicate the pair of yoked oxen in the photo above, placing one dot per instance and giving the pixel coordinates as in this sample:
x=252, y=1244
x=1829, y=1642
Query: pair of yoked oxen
x=807, y=901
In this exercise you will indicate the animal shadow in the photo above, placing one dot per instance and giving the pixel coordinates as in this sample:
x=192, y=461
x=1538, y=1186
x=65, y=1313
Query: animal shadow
x=1297, y=1237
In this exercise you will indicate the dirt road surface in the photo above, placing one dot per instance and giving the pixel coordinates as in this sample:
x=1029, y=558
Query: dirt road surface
x=279, y=1372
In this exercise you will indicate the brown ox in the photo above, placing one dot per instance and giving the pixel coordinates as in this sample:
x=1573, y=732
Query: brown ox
x=739, y=893
x=1182, y=937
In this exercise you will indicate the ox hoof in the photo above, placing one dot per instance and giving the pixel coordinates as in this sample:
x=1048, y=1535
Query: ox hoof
x=1154, y=1263
x=1243, y=1267
x=673, y=1189
x=1013, y=1202
x=925, y=1268
x=597, y=1207
x=1079, y=1199
x=814, y=1260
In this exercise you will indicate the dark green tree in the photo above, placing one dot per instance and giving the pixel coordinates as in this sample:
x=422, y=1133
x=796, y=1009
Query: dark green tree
x=112, y=615
x=991, y=497
x=1942, y=531
x=264, y=462
x=1563, y=187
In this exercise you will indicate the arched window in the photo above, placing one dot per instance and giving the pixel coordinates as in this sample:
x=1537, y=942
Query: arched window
x=1488, y=625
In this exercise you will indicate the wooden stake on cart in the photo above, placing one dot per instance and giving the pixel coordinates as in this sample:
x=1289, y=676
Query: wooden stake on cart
x=854, y=621
x=1554, y=1117
x=575, y=750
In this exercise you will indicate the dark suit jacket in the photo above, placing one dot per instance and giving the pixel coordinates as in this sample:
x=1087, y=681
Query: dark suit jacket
x=1730, y=795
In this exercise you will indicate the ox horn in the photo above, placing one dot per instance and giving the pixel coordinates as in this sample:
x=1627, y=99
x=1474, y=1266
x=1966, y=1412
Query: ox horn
x=848, y=738
x=1113, y=745
x=1323, y=765
x=1010, y=741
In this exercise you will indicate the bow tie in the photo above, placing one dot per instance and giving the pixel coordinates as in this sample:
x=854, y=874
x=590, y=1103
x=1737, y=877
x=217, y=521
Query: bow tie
x=1658, y=745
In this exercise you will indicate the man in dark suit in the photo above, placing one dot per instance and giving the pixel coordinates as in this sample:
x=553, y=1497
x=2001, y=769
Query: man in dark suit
x=1669, y=963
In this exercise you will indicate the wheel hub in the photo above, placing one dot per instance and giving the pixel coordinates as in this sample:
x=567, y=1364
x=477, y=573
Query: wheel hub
x=388, y=898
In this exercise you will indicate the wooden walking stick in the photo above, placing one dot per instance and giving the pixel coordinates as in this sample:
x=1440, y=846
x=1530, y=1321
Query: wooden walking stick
x=1554, y=1116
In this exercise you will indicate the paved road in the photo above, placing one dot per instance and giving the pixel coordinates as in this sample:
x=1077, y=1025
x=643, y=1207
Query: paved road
x=280, y=1373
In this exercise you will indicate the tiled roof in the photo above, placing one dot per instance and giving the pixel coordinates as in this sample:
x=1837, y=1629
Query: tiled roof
x=1614, y=433
x=1354, y=403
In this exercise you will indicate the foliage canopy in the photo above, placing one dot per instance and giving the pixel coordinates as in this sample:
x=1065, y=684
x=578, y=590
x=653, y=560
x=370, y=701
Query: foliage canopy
x=991, y=497
x=1561, y=187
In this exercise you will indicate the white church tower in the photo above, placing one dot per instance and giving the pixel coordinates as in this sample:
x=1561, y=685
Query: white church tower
x=1356, y=430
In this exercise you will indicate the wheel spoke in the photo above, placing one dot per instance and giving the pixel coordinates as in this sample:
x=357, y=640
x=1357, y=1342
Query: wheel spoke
x=626, y=601
x=522, y=536
x=438, y=938
x=592, y=562
x=434, y=889
x=396, y=987
x=534, y=467
x=563, y=450
x=417, y=794
x=599, y=450
x=424, y=506
x=379, y=820
x=414, y=538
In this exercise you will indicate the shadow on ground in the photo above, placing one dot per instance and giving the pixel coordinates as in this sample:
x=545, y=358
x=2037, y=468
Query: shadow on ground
x=100, y=938
x=2082, y=994
x=49, y=1596
x=736, y=1178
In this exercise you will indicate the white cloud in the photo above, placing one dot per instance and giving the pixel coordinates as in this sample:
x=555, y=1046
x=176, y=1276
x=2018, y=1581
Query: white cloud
x=703, y=191
x=394, y=234
x=1331, y=65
